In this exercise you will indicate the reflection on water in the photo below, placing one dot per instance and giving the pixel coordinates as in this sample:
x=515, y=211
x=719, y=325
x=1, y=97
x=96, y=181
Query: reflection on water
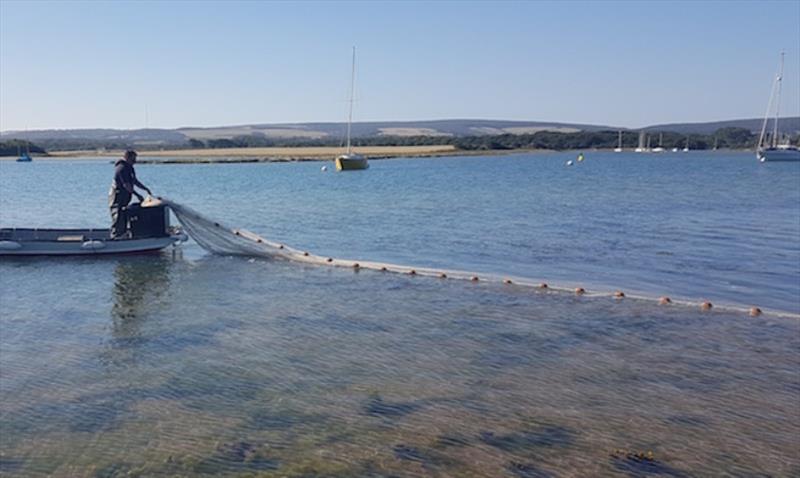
x=138, y=285
x=153, y=366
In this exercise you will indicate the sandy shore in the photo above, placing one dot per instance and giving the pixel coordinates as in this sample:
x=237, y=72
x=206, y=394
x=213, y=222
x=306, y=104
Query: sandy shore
x=322, y=152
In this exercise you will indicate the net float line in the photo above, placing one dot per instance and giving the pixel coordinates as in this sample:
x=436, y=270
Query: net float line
x=220, y=239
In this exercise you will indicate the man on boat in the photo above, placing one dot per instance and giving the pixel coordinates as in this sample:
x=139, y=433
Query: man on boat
x=122, y=188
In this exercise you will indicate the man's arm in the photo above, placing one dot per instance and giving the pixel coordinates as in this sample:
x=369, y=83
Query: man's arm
x=141, y=186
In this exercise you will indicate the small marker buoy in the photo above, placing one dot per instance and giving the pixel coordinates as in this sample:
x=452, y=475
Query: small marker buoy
x=474, y=279
x=580, y=290
x=507, y=281
x=324, y=168
x=305, y=253
x=384, y=269
x=706, y=305
x=280, y=246
x=259, y=240
x=619, y=294
x=755, y=311
x=543, y=285
x=356, y=266
x=664, y=300
x=236, y=233
x=412, y=272
x=580, y=157
x=569, y=163
x=330, y=260
x=443, y=276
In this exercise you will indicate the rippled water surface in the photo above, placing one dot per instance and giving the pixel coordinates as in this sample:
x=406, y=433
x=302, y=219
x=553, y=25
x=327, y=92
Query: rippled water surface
x=189, y=364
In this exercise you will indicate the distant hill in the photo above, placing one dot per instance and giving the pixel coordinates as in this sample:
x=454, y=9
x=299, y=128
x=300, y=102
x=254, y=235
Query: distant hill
x=153, y=137
x=789, y=125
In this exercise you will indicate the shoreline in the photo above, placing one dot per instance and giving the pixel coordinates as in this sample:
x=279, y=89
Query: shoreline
x=299, y=154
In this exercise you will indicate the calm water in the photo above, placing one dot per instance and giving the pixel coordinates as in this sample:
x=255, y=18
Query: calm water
x=192, y=364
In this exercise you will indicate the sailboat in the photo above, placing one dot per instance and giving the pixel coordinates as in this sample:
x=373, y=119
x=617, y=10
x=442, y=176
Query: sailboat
x=686, y=148
x=618, y=149
x=641, y=148
x=350, y=160
x=26, y=156
x=768, y=148
x=659, y=148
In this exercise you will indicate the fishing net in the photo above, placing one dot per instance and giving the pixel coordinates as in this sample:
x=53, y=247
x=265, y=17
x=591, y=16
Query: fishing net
x=221, y=239
x=218, y=238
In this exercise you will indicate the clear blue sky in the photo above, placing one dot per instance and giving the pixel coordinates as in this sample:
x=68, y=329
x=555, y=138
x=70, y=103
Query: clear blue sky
x=103, y=64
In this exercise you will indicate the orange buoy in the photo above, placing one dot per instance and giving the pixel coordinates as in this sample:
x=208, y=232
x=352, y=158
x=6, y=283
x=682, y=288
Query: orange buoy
x=330, y=260
x=543, y=285
x=580, y=290
x=755, y=311
x=474, y=279
x=664, y=300
x=706, y=305
x=507, y=281
x=443, y=276
x=619, y=294
x=412, y=272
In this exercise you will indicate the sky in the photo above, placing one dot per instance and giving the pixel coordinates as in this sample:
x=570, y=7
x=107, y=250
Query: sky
x=169, y=64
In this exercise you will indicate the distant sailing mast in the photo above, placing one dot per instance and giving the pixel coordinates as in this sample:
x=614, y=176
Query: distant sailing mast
x=618, y=149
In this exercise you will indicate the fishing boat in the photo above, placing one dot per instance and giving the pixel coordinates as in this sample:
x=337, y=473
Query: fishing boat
x=768, y=148
x=148, y=231
x=350, y=160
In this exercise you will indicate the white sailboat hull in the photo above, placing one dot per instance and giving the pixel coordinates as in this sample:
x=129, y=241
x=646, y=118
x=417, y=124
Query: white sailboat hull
x=778, y=154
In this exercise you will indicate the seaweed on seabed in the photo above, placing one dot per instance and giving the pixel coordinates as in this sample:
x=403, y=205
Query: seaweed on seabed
x=376, y=406
x=547, y=436
x=240, y=455
x=526, y=470
x=638, y=463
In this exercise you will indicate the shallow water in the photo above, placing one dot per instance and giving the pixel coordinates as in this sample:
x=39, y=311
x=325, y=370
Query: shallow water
x=160, y=366
x=197, y=365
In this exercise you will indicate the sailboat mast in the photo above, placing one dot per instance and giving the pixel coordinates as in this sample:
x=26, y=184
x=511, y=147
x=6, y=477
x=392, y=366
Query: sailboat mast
x=352, y=91
x=761, y=137
x=777, y=106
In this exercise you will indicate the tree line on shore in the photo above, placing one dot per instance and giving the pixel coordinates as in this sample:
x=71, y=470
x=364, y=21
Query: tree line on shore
x=14, y=147
x=730, y=138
